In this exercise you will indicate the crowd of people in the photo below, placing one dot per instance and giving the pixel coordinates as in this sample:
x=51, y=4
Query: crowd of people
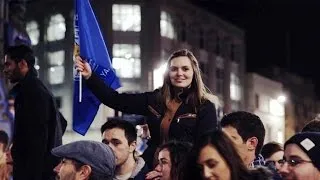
x=186, y=139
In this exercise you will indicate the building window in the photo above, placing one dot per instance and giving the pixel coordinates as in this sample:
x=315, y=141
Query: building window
x=56, y=58
x=264, y=102
x=33, y=32
x=126, y=17
x=57, y=28
x=56, y=75
x=126, y=60
x=158, y=75
x=166, y=26
x=235, y=89
x=56, y=71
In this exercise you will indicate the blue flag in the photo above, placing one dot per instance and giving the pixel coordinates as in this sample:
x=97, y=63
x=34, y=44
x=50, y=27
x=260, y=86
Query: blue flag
x=16, y=37
x=90, y=45
x=6, y=118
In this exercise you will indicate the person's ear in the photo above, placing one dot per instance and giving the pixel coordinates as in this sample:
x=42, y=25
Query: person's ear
x=133, y=146
x=22, y=64
x=252, y=143
x=85, y=172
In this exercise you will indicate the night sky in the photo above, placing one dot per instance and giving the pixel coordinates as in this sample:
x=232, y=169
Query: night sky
x=280, y=32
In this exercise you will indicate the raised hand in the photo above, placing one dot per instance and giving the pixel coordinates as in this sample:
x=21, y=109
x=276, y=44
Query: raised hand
x=83, y=67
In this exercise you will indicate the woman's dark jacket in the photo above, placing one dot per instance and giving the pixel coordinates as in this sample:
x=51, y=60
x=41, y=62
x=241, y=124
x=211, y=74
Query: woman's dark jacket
x=186, y=125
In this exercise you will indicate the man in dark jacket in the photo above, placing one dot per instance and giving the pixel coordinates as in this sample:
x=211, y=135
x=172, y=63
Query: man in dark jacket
x=37, y=125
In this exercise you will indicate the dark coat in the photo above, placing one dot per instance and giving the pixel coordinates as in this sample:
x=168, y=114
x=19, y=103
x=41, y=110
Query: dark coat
x=37, y=129
x=187, y=125
x=142, y=173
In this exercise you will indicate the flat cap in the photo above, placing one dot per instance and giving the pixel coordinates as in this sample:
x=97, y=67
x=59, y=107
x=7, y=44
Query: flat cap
x=97, y=155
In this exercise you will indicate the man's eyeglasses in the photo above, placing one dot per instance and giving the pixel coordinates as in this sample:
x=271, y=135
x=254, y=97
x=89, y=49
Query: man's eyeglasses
x=293, y=162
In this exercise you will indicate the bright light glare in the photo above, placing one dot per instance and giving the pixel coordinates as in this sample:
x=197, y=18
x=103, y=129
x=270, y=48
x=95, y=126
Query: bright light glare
x=128, y=55
x=282, y=98
x=276, y=108
x=158, y=75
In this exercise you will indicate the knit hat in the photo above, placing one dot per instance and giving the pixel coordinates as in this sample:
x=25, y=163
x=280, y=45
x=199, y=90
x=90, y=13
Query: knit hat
x=97, y=155
x=309, y=142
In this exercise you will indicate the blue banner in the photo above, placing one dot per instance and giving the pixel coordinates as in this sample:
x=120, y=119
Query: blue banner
x=15, y=37
x=6, y=118
x=90, y=45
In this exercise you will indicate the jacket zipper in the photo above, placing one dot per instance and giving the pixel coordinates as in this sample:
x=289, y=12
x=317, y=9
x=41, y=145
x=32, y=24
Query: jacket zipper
x=153, y=111
x=189, y=115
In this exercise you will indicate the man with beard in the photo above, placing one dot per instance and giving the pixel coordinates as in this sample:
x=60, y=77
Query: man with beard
x=37, y=124
x=85, y=160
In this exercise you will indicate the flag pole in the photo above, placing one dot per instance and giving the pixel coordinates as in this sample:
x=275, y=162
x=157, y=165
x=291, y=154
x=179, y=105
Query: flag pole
x=80, y=86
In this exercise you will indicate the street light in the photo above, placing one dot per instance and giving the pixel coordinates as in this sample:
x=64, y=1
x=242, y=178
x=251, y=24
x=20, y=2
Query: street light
x=282, y=99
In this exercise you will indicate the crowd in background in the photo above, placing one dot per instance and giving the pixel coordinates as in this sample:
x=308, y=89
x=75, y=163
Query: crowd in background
x=183, y=137
x=231, y=153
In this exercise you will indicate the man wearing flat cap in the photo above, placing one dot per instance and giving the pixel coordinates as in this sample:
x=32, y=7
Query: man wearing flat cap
x=85, y=160
x=302, y=157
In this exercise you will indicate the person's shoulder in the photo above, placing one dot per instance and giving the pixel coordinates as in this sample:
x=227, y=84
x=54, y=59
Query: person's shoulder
x=36, y=87
x=211, y=99
x=156, y=91
x=145, y=169
x=154, y=95
x=141, y=168
x=209, y=102
x=31, y=82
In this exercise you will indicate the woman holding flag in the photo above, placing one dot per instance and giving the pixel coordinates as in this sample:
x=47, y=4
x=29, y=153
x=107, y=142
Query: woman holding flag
x=180, y=110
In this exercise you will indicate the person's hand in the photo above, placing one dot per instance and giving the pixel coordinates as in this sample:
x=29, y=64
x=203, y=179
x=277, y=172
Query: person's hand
x=154, y=175
x=83, y=67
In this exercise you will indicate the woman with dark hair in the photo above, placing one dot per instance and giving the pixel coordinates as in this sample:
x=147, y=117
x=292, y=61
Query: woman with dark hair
x=171, y=159
x=180, y=110
x=273, y=153
x=217, y=158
